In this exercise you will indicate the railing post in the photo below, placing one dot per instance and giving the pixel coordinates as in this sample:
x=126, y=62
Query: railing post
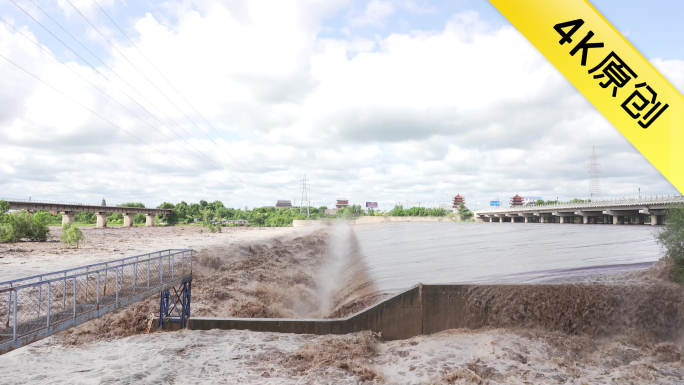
x=183, y=262
x=64, y=292
x=74, y=288
x=9, y=304
x=86, y=293
x=117, y=284
x=135, y=274
x=148, y=273
x=172, y=266
x=48, y=305
x=98, y=289
x=14, y=316
x=40, y=296
x=161, y=270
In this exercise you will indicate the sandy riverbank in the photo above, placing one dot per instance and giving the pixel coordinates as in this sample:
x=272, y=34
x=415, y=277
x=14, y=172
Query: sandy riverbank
x=29, y=258
x=289, y=272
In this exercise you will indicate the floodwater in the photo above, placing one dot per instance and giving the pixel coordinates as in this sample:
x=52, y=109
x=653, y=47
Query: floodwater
x=400, y=255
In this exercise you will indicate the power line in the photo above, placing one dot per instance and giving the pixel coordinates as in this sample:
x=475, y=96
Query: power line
x=103, y=92
x=151, y=83
x=117, y=87
x=108, y=121
x=304, y=184
x=169, y=82
x=594, y=177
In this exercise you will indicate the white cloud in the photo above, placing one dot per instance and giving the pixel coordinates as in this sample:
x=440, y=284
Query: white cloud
x=412, y=116
x=375, y=13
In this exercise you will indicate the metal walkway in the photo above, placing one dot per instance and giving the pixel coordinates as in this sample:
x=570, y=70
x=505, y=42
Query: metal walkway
x=39, y=306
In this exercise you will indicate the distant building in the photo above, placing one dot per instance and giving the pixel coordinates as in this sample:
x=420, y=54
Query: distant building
x=330, y=211
x=283, y=204
x=458, y=200
x=235, y=221
x=341, y=203
x=517, y=200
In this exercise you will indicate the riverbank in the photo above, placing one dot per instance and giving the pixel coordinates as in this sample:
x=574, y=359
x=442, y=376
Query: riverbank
x=317, y=272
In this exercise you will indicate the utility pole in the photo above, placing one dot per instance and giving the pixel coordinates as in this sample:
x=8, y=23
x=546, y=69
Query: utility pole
x=594, y=174
x=304, y=185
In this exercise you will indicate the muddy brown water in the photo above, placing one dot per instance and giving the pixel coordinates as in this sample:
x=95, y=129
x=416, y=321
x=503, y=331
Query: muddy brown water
x=400, y=255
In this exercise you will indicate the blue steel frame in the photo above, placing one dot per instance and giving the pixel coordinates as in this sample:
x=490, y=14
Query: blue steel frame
x=176, y=307
x=41, y=305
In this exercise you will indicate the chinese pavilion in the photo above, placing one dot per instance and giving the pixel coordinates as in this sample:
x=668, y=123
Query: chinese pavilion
x=342, y=202
x=517, y=200
x=458, y=200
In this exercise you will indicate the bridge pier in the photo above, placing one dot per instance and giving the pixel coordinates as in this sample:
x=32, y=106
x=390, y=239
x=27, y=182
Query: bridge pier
x=655, y=220
x=128, y=219
x=67, y=217
x=616, y=220
x=101, y=220
x=149, y=220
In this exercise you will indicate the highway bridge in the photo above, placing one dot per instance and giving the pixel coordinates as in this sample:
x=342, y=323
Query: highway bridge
x=69, y=209
x=36, y=307
x=637, y=211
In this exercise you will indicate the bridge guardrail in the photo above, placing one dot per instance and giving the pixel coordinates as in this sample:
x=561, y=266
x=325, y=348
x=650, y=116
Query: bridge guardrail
x=49, y=202
x=43, y=303
x=602, y=203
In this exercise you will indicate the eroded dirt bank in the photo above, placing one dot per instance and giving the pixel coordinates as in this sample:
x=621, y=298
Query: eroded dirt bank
x=620, y=329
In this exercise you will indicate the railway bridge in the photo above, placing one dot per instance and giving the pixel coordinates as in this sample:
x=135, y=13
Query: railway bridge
x=39, y=306
x=69, y=209
x=636, y=211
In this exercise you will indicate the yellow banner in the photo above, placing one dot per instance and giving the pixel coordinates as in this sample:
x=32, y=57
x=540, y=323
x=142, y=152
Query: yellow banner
x=609, y=72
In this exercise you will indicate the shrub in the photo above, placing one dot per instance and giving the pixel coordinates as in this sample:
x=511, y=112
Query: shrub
x=671, y=239
x=71, y=234
x=213, y=228
x=464, y=213
x=24, y=225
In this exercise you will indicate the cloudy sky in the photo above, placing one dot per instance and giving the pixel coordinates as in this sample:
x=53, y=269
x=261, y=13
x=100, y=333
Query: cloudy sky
x=376, y=100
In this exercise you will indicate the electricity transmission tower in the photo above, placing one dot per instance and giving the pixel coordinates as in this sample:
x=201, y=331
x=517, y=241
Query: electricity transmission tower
x=594, y=174
x=305, y=195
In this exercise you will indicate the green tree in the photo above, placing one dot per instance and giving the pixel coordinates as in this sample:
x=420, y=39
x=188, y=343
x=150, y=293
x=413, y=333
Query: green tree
x=85, y=217
x=132, y=204
x=464, y=213
x=671, y=239
x=4, y=208
x=397, y=211
x=71, y=234
x=47, y=218
x=24, y=225
x=355, y=210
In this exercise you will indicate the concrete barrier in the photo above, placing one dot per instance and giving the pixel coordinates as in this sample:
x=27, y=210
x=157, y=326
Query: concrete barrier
x=382, y=219
x=398, y=317
x=402, y=316
x=426, y=309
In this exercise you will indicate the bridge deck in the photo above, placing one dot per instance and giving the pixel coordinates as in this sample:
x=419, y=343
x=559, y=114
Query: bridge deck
x=39, y=306
x=27, y=204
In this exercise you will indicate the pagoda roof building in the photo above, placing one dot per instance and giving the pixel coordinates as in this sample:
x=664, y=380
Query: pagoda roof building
x=517, y=200
x=458, y=200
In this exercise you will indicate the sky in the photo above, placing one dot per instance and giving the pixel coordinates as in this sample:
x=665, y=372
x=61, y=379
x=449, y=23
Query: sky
x=382, y=101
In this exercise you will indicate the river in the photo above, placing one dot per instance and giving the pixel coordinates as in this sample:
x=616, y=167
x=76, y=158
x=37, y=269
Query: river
x=400, y=255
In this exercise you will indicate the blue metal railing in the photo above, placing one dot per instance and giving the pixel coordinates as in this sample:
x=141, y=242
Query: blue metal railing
x=37, y=306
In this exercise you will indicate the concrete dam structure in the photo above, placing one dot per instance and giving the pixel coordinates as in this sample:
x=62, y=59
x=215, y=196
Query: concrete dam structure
x=622, y=211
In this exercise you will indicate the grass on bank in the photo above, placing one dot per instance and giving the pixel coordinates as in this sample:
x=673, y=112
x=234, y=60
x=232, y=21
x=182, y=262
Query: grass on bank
x=671, y=240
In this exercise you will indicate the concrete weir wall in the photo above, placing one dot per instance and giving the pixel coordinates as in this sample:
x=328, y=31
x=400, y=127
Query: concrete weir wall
x=382, y=219
x=426, y=309
x=423, y=309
